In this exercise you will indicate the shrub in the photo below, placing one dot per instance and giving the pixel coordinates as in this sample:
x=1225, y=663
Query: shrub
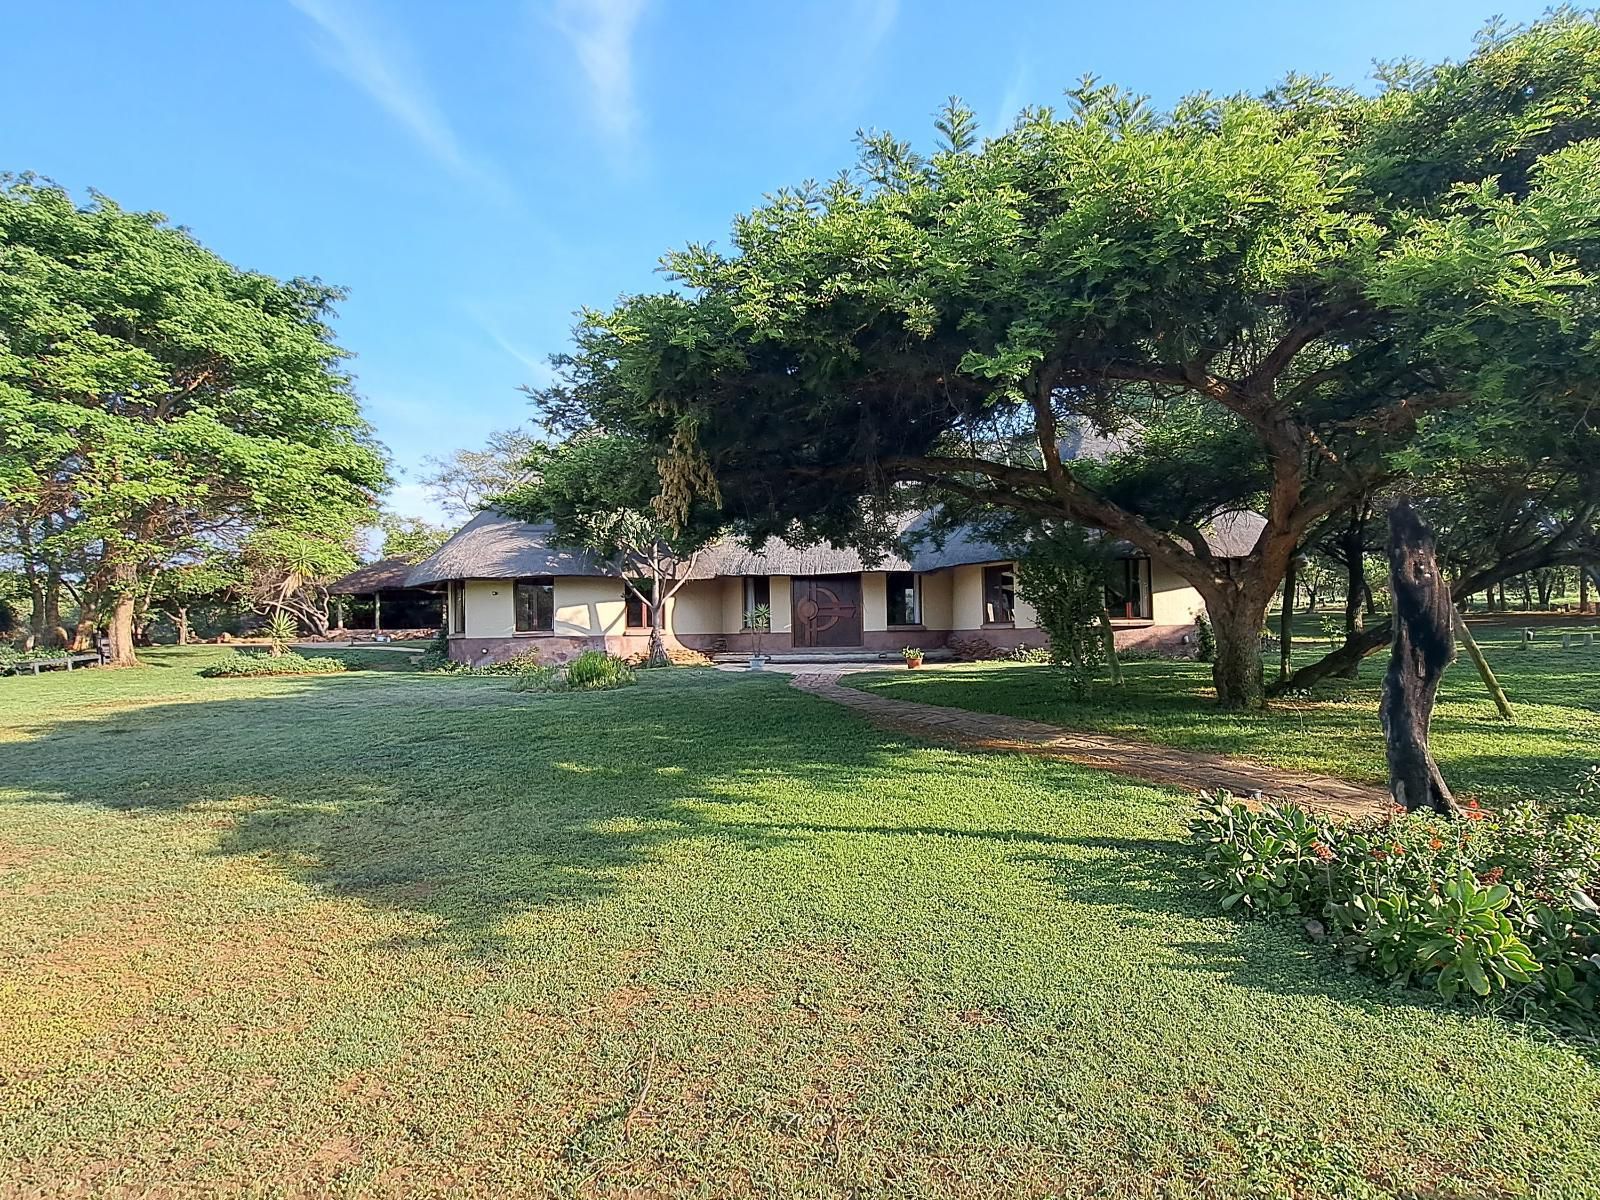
x=972, y=649
x=1028, y=654
x=541, y=678
x=595, y=670
x=240, y=665
x=279, y=630
x=436, y=656
x=10, y=657
x=1205, y=638
x=1498, y=905
x=511, y=666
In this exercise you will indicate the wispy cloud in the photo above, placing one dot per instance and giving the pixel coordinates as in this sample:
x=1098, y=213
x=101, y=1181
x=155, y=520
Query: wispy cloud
x=540, y=373
x=601, y=34
x=378, y=62
x=874, y=18
x=1012, y=102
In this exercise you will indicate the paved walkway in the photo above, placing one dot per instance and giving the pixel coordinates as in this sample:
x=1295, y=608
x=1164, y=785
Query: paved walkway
x=1142, y=760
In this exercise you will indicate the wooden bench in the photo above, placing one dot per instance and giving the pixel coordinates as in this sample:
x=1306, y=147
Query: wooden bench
x=67, y=661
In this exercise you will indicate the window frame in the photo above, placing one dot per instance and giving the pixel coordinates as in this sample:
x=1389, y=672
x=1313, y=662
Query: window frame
x=536, y=583
x=1002, y=570
x=752, y=601
x=889, y=591
x=632, y=603
x=1135, y=575
x=455, y=603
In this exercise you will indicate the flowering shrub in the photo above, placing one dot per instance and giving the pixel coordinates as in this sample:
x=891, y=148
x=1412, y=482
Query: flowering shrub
x=1498, y=904
x=240, y=665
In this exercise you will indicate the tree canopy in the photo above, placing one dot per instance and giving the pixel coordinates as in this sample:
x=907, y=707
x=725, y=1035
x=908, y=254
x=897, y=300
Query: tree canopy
x=1265, y=300
x=157, y=403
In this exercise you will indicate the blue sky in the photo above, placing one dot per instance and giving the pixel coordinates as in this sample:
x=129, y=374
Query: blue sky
x=474, y=172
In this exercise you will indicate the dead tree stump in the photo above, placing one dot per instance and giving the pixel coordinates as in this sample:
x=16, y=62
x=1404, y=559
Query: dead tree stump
x=1423, y=647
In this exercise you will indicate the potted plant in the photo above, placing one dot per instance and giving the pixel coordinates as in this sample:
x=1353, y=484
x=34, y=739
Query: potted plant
x=913, y=657
x=758, y=620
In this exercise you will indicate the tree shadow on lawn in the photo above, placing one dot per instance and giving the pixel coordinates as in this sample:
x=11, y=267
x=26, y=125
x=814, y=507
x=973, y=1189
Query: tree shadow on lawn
x=458, y=798
x=470, y=804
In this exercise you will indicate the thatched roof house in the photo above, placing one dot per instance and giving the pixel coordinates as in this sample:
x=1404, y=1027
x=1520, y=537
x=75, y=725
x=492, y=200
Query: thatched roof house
x=513, y=589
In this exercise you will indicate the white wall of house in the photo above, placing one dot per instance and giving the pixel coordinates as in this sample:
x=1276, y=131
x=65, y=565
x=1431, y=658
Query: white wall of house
x=490, y=613
x=782, y=589
x=697, y=608
x=731, y=588
x=594, y=606
x=1172, y=600
x=585, y=606
x=874, y=601
x=937, y=590
x=966, y=601
x=589, y=606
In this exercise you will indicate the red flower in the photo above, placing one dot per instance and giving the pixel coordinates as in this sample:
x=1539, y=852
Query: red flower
x=1435, y=844
x=1322, y=852
x=1493, y=875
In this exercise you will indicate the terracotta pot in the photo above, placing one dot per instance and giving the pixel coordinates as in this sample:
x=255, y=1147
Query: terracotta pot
x=913, y=663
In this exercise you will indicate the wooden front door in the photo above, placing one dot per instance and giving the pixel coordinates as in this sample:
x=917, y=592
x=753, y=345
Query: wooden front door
x=827, y=610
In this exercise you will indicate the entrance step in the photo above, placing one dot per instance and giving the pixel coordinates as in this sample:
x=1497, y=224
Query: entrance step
x=827, y=655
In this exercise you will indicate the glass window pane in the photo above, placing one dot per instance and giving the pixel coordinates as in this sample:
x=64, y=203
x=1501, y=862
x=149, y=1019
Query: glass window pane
x=999, y=595
x=757, y=592
x=535, y=602
x=902, y=598
x=638, y=610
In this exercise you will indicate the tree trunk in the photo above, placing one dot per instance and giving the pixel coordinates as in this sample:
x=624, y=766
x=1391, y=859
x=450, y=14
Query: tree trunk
x=1286, y=624
x=119, y=643
x=1423, y=648
x=656, y=606
x=1485, y=672
x=1236, y=671
x=1583, y=588
x=180, y=617
x=1353, y=544
x=1109, y=636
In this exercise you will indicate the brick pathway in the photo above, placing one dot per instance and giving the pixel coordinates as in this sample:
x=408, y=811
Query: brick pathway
x=1142, y=760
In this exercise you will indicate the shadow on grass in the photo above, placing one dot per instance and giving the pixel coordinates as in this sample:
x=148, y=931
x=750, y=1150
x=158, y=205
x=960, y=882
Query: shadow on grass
x=463, y=801
x=458, y=798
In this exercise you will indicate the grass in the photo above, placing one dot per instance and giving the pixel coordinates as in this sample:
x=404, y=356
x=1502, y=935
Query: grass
x=1555, y=694
x=402, y=934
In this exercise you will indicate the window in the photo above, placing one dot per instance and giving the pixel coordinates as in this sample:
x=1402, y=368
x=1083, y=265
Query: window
x=757, y=594
x=639, y=610
x=456, y=602
x=535, y=602
x=1125, y=590
x=999, y=594
x=905, y=598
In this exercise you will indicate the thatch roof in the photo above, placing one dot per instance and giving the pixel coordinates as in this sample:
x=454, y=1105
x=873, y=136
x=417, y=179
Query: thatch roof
x=386, y=576
x=1234, y=534
x=495, y=546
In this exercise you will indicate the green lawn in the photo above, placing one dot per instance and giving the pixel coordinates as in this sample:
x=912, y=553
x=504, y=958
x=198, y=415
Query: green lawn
x=1556, y=696
x=402, y=934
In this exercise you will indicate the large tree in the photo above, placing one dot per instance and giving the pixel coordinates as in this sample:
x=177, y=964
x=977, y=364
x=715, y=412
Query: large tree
x=462, y=481
x=601, y=493
x=154, y=398
x=1270, y=295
